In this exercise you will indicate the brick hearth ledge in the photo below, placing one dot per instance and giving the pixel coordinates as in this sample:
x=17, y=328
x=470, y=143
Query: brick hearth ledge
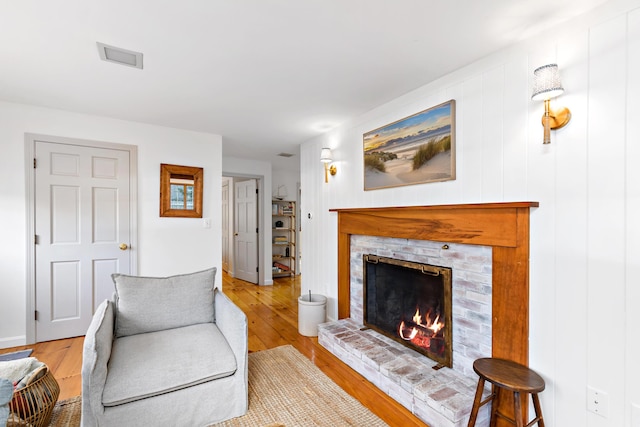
x=440, y=398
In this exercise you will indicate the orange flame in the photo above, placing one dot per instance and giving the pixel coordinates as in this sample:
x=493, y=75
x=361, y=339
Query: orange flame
x=425, y=321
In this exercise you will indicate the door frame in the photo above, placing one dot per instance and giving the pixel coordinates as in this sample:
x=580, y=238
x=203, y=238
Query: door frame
x=264, y=275
x=30, y=143
x=227, y=181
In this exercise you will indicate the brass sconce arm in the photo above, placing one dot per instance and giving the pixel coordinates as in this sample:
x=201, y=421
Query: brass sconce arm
x=553, y=119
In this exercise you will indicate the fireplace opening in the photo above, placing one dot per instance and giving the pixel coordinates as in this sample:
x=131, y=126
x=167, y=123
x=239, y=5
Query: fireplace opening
x=410, y=302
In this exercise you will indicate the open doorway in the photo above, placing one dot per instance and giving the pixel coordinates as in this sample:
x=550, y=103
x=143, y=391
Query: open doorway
x=241, y=231
x=234, y=171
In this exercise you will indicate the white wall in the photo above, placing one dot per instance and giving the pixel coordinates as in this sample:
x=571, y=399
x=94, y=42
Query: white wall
x=585, y=236
x=165, y=245
x=232, y=166
x=290, y=180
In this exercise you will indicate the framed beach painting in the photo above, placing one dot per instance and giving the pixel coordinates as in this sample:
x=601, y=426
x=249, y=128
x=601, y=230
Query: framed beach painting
x=415, y=150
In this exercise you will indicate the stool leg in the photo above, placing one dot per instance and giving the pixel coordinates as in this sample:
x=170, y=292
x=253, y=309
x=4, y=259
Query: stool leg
x=536, y=406
x=518, y=409
x=497, y=391
x=476, y=403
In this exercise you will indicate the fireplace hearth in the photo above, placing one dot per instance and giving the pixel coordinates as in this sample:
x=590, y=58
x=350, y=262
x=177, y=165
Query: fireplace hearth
x=410, y=302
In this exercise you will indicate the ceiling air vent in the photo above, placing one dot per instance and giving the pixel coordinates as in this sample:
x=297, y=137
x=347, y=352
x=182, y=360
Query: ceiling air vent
x=120, y=56
x=285, y=155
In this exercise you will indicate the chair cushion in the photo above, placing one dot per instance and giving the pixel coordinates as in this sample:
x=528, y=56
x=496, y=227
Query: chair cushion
x=149, y=304
x=147, y=365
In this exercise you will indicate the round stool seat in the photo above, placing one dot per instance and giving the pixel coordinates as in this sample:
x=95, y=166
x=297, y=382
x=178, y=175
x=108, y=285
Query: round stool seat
x=506, y=376
x=509, y=375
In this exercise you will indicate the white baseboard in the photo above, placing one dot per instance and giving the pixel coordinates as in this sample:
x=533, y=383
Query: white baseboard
x=13, y=341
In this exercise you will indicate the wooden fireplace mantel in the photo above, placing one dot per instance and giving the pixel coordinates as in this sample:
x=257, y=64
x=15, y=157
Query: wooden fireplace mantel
x=503, y=226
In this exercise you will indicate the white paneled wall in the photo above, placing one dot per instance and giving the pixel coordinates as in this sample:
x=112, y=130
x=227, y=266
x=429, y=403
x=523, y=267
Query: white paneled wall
x=585, y=236
x=632, y=222
x=606, y=213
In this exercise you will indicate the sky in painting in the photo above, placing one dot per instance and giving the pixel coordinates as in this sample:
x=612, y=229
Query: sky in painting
x=425, y=121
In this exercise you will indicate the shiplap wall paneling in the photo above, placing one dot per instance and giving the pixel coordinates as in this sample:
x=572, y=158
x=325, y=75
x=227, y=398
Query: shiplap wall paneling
x=632, y=297
x=570, y=145
x=516, y=100
x=470, y=169
x=541, y=178
x=492, y=142
x=453, y=190
x=311, y=178
x=606, y=243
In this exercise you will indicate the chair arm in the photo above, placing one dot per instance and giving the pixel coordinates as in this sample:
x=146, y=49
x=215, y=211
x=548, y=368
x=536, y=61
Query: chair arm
x=95, y=357
x=232, y=322
x=6, y=392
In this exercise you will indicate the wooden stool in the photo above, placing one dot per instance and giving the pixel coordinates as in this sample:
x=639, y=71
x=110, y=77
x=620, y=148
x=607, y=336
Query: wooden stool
x=506, y=375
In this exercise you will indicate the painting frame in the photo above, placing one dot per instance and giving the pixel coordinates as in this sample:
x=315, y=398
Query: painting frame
x=408, y=146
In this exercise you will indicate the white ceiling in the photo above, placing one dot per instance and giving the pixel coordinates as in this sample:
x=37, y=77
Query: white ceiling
x=265, y=74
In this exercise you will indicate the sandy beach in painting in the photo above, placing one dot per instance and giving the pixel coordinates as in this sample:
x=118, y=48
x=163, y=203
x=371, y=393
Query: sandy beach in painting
x=399, y=172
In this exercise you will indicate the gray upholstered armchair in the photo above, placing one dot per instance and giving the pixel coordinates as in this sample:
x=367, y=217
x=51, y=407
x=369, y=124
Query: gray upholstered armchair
x=168, y=351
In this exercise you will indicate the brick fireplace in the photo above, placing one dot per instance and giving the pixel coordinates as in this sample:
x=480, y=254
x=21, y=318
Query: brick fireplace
x=503, y=227
x=471, y=290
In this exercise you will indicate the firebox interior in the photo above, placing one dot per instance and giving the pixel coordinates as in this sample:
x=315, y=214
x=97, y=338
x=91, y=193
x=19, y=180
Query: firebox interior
x=410, y=302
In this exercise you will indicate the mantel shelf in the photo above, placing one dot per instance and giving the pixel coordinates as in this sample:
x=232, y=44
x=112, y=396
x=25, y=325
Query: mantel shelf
x=490, y=224
x=501, y=205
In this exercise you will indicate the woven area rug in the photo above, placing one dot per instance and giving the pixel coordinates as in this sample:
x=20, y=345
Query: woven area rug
x=285, y=390
x=66, y=413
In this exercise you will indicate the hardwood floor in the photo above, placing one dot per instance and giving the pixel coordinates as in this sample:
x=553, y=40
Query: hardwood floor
x=64, y=358
x=272, y=312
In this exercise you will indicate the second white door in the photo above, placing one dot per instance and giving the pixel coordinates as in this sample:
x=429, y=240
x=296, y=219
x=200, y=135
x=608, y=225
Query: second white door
x=246, y=231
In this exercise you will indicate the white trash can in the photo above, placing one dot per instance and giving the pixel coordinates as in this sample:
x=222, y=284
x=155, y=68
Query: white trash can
x=312, y=310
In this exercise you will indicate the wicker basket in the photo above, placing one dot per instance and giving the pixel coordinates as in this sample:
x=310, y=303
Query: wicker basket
x=33, y=405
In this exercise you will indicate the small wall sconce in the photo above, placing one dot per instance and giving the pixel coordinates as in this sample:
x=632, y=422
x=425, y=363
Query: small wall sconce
x=547, y=85
x=325, y=157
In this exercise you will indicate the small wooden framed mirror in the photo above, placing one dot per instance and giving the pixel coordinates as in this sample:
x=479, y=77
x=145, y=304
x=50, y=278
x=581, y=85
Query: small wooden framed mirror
x=180, y=191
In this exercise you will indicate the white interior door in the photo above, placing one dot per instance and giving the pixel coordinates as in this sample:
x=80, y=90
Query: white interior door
x=246, y=230
x=82, y=224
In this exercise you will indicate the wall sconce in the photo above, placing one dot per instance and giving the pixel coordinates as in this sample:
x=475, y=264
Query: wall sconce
x=547, y=85
x=325, y=157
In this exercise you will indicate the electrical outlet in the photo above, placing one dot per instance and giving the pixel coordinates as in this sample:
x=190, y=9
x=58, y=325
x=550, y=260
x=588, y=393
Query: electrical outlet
x=206, y=222
x=598, y=402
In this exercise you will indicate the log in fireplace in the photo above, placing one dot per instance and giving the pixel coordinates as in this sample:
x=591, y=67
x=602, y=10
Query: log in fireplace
x=410, y=302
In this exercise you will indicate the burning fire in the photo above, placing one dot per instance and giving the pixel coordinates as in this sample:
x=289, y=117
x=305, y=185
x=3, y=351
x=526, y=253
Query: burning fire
x=423, y=329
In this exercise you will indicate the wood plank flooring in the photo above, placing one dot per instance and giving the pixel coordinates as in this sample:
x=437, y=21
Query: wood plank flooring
x=272, y=312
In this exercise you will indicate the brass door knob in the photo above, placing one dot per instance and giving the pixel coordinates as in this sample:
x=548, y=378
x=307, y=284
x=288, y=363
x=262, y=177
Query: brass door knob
x=123, y=246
